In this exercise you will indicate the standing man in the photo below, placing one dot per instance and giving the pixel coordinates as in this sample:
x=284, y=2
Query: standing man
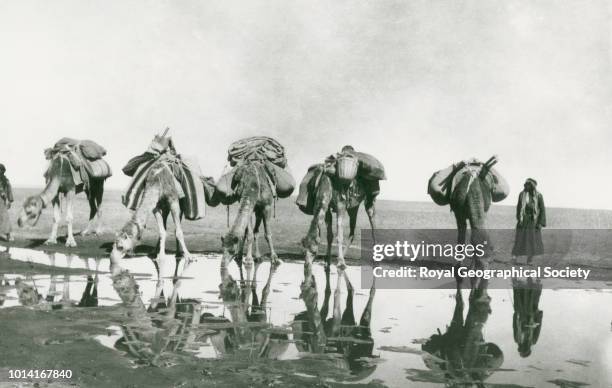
x=531, y=218
x=6, y=199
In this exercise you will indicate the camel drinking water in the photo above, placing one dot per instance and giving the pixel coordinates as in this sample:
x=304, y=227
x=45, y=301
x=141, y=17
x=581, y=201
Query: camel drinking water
x=329, y=192
x=256, y=193
x=161, y=197
x=60, y=193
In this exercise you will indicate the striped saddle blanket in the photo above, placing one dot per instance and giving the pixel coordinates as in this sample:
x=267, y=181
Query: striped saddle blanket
x=188, y=184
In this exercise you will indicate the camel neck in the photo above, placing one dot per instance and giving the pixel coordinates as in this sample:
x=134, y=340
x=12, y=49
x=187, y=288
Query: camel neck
x=50, y=190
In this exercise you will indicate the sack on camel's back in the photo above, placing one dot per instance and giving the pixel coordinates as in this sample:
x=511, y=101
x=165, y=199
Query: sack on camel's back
x=98, y=168
x=442, y=183
x=283, y=180
x=92, y=150
x=193, y=202
x=223, y=189
x=439, y=185
x=306, y=194
x=499, y=186
x=370, y=168
x=257, y=148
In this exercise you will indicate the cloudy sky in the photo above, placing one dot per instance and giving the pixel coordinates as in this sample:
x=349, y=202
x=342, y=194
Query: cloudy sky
x=419, y=84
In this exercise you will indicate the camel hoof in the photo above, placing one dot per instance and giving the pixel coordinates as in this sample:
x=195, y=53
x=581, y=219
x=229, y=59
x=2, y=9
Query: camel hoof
x=99, y=231
x=51, y=242
x=70, y=243
x=86, y=232
x=276, y=261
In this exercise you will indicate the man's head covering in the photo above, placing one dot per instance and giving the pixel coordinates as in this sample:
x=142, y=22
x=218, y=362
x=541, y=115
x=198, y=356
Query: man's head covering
x=531, y=181
x=2, y=168
x=348, y=148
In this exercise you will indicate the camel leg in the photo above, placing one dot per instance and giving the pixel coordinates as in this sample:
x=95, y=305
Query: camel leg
x=70, y=242
x=248, y=259
x=370, y=207
x=57, y=216
x=175, y=209
x=98, y=193
x=340, y=234
x=330, y=239
x=312, y=239
x=92, y=213
x=352, y=214
x=231, y=240
x=258, y=218
x=267, y=214
x=161, y=243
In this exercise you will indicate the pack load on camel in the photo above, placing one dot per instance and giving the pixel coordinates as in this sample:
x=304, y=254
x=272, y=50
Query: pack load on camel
x=348, y=166
x=185, y=169
x=257, y=148
x=441, y=186
x=86, y=160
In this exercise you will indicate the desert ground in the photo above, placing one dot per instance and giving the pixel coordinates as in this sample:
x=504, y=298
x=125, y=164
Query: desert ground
x=60, y=335
x=289, y=225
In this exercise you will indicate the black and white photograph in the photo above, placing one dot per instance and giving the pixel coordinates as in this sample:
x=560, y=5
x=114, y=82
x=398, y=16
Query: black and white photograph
x=305, y=193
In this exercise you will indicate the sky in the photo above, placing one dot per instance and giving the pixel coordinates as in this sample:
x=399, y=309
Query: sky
x=419, y=84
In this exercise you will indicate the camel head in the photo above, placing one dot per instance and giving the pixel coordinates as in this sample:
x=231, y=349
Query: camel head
x=125, y=241
x=229, y=243
x=30, y=212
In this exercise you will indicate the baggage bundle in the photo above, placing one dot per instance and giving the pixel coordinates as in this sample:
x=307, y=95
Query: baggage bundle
x=308, y=187
x=370, y=168
x=443, y=182
x=186, y=171
x=98, y=168
x=346, y=166
x=259, y=148
x=85, y=158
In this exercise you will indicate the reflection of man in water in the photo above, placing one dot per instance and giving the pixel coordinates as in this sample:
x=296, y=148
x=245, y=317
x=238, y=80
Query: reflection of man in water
x=314, y=332
x=461, y=356
x=527, y=318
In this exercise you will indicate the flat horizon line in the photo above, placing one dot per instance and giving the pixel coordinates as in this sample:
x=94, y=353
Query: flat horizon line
x=379, y=199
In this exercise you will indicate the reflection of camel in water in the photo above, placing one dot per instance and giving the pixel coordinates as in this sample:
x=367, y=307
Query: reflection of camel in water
x=527, y=318
x=158, y=334
x=340, y=334
x=29, y=295
x=461, y=356
x=164, y=332
x=248, y=333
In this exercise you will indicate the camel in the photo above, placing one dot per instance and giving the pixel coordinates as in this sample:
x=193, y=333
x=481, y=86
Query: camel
x=161, y=197
x=60, y=192
x=333, y=195
x=470, y=200
x=256, y=194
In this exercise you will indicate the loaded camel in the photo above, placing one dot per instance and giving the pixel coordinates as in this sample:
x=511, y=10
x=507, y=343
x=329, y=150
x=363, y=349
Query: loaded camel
x=161, y=197
x=470, y=187
x=60, y=192
x=257, y=197
x=334, y=194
